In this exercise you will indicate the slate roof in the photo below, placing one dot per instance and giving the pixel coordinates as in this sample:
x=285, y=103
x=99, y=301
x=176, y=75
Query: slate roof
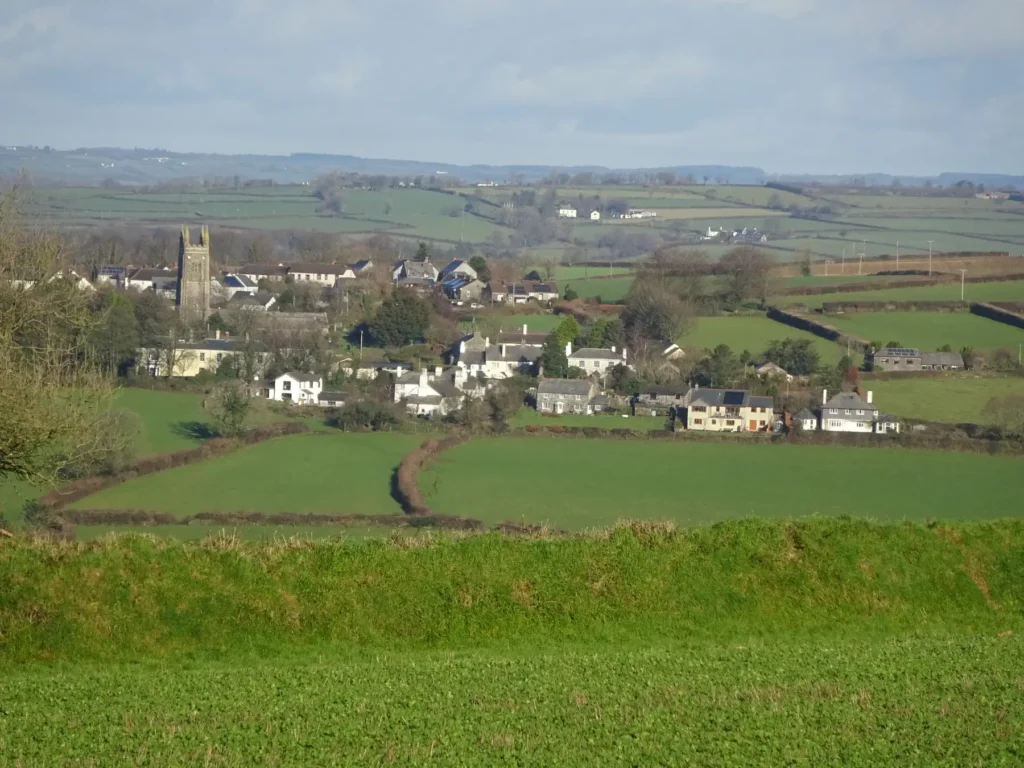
x=319, y=269
x=428, y=400
x=149, y=274
x=331, y=397
x=305, y=378
x=591, y=353
x=456, y=264
x=666, y=390
x=217, y=345
x=526, y=339
x=848, y=401
x=804, y=414
x=580, y=387
x=262, y=298
x=362, y=264
x=948, y=359
x=731, y=398
x=264, y=269
x=238, y=281
x=898, y=352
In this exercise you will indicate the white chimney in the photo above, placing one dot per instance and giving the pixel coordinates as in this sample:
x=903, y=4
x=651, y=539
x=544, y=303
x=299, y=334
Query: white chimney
x=462, y=347
x=217, y=332
x=568, y=348
x=487, y=341
x=437, y=370
x=423, y=379
x=613, y=347
x=502, y=350
x=824, y=396
x=871, y=397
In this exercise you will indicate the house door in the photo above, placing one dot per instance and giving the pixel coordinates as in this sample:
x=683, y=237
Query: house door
x=753, y=425
x=559, y=407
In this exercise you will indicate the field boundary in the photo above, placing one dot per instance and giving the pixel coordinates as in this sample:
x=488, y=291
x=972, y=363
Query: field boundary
x=406, y=480
x=835, y=307
x=999, y=314
x=825, y=331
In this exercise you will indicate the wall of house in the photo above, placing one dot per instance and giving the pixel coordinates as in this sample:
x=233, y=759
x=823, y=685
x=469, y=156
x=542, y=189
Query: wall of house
x=716, y=419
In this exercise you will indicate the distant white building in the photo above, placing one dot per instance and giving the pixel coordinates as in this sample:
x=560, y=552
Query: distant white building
x=567, y=212
x=595, y=215
x=591, y=360
x=637, y=213
x=848, y=412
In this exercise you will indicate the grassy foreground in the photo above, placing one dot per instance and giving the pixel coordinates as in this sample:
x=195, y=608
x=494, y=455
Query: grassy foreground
x=813, y=642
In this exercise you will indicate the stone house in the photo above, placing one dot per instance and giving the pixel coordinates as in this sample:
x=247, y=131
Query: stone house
x=414, y=273
x=595, y=361
x=437, y=393
x=908, y=359
x=566, y=396
x=457, y=267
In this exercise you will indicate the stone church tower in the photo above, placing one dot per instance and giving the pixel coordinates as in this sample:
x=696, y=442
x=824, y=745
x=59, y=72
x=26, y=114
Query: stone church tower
x=193, y=295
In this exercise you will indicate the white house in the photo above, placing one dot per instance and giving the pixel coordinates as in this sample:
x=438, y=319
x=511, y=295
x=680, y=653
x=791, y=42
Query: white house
x=412, y=272
x=163, y=282
x=711, y=234
x=232, y=284
x=592, y=360
x=297, y=388
x=806, y=420
x=773, y=371
x=567, y=212
x=595, y=215
x=436, y=393
x=322, y=274
x=478, y=357
x=637, y=213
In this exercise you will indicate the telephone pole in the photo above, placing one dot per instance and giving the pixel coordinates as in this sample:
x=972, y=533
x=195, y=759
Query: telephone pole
x=930, y=256
x=842, y=264
x=897, y=255
x=962, y=273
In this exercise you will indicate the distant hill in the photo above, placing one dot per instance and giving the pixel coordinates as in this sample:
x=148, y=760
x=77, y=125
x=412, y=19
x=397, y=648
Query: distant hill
x=88, y=166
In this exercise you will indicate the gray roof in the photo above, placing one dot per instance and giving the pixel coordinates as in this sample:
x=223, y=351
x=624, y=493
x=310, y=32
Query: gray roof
x=737, y=398
x=263, y=269
x=530, y=339
x=362, y=264
x=331, y=396
x=666, y=390
x=950, y=359
x=417, y=400
x=886, y=419
x=417, y=269
x=513, y=353
x=262, y=298
x=591, y=353
x=305, y=378
x=149, y=274
x=805, y=413
x=220, y=345
x=849, y=401
x=564, y=387
x=898, y=352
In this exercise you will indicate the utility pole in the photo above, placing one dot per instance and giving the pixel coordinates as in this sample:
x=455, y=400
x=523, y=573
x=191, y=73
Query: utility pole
x=897, y=255
x=842, y=264
x=962, y=273
x=930, y=256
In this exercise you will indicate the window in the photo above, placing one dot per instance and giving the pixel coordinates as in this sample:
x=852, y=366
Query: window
x=764, y=423
x=730, y=423
x=860, y=413
x=698, y=408
x=714, y=422
x=847, y=411
x=286, y=386
x=202, y=357
x=698, y=421
x=219, y=357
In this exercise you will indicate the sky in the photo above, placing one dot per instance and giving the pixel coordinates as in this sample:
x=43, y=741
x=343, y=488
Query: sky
x=911, y=87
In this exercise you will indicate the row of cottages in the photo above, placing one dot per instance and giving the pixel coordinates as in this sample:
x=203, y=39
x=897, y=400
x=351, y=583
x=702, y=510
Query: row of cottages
x=847, y=412
x=479, y=357
x=894, y=359
x=301, y=389
x=595, y=361
x=190, y=358
x=328, y=275
x=566, y=211
x=709, y=410
x=438, y=393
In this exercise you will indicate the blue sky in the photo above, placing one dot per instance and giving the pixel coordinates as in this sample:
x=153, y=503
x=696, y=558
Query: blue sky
x=815, y=86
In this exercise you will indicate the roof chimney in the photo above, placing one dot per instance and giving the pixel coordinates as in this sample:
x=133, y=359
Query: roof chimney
x=217, y=333
x=502, y=347
x=423, y=379
x=613, y=347
x=568, y=348
x=524, y=329
x=824, y=396
x=871, y=397
x=437, y=370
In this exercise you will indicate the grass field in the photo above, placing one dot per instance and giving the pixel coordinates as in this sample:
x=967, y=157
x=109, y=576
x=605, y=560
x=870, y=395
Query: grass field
x=335, y=473
x=528, y=416
x=957, y=398
x=929, y=330
x=609, y=291
x=1010, y=290
x=752, y=333
x=692, y=483
x=164, y=418
x=816, y=642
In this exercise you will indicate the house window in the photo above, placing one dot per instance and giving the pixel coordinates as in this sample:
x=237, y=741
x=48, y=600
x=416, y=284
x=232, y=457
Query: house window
x=698, y=408
x=202, y=357
x=219, y=356
x=698, y=421
x=714, y=422
x=730, y=423
x=286, y=386
x=763, y=423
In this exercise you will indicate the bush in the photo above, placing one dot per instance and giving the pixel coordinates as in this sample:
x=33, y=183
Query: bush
x=365, y=416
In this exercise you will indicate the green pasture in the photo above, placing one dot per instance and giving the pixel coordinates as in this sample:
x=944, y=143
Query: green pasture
x=752, y=333
x=332, y=473
x=1008, y=290
x=929, y=330
x=957, y=398
x=578, y=484
x=167, y=420
x=565, y=272
x=609, y=290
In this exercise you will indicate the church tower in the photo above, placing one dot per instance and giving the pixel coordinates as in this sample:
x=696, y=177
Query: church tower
x=193, y=295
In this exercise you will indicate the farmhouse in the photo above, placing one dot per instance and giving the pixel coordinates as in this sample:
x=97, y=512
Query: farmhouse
x=331, y=399
x=724, y=410
x=566, y=212
x=459, y=288
x=566, y=396
x=595, y=361
x=595, y=215
x=297, y=388
x=772, y=371
x=905, y=359
x=163, y=281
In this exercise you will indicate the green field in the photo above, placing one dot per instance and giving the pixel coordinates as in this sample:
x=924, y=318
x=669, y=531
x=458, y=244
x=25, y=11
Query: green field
x=164, y=418
x=815, y=642
x=333, y=473
x=408, y=212
x=929, y=330
x=1009, y=290
x=588, y=483
x=956, y=398
x=752, y=333
x=609, y=290
x=527, y=416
